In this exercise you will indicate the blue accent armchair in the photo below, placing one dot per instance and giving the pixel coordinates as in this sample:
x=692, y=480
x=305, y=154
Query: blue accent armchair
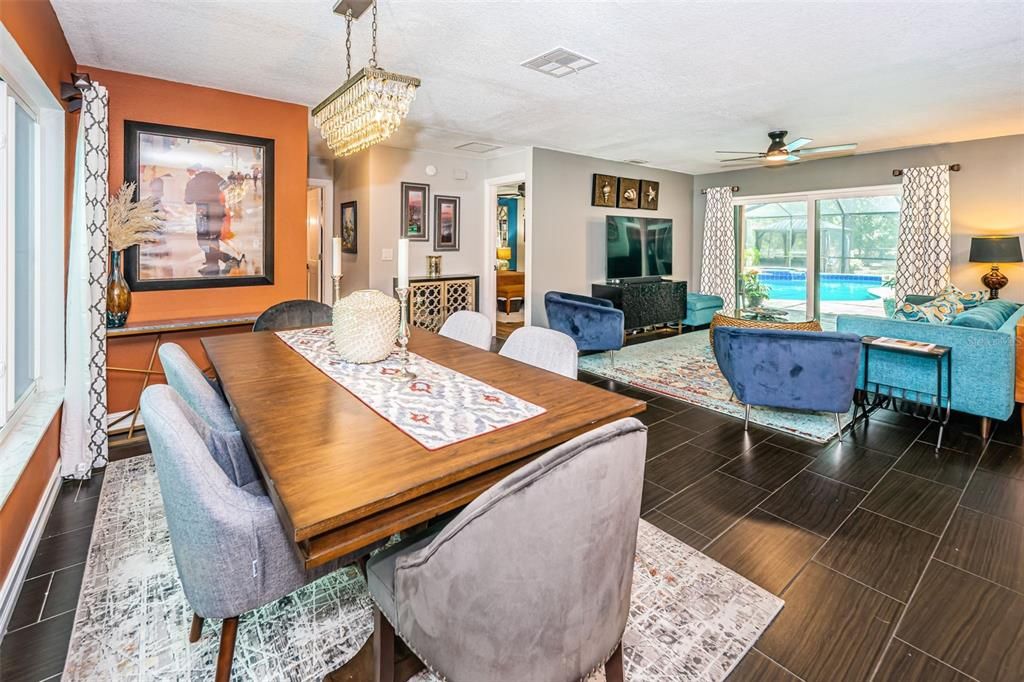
x=813, y=371
x=593, y=323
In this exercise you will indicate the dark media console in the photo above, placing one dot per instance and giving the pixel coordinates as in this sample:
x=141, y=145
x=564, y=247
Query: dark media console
x=645, y=301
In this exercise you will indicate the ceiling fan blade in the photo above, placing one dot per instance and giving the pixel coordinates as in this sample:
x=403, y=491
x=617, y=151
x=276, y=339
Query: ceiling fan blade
x=830, y=148
x=743, y=158
x=735, y=152
x=781, y=161
x=797, y=143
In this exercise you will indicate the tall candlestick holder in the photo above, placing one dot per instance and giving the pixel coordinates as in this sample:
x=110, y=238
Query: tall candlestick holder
x=403, y=336
x=337, y=286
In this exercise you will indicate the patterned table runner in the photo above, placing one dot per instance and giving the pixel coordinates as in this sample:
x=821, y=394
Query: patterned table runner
x=440, y=407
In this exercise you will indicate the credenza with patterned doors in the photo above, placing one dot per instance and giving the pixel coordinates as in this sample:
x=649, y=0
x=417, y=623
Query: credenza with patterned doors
x=433, y=299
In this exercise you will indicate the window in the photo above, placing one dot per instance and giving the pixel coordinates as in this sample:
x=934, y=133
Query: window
x=19, y=235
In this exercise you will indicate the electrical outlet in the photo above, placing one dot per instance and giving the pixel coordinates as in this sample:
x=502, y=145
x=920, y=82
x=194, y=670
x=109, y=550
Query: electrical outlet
x=387, y=254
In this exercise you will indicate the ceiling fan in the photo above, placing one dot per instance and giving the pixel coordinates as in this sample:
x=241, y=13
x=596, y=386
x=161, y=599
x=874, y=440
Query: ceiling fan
x=780, y=151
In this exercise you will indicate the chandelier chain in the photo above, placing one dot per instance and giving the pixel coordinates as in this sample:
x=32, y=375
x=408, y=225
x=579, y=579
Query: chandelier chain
x=373, y=44
x=348, y=44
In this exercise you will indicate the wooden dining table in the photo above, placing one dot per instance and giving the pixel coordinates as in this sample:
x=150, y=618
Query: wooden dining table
x=342, y=477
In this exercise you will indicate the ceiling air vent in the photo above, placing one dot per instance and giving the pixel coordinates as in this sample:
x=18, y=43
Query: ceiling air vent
x=478, y=147
x=559, y=62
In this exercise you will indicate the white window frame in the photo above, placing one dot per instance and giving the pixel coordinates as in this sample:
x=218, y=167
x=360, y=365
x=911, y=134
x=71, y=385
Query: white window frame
x=22, y=426
x=9, y=405
x=811, y=198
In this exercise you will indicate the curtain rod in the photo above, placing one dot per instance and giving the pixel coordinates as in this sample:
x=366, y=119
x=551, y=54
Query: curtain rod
x=734, y=188
x=896, y=172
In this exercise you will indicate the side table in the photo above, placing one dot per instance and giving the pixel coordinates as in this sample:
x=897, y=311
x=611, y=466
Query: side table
x=884, y=395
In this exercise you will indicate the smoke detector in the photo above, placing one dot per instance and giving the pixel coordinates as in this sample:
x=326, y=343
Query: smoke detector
x=638, y=162
x=559, y=62
x=478, y=147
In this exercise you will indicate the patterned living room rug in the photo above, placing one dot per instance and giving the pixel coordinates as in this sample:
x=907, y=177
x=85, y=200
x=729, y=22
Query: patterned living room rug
x=690, y=619
x=684, y=367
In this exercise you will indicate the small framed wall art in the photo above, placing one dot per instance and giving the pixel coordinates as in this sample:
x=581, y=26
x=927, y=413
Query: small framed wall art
x=629, y=193
x=415, y=212
x=603, y=191
x=649, y=191
x=349, y=228
x=446, y=223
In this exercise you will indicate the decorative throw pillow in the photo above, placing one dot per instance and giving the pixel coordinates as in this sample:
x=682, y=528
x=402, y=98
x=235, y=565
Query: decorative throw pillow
x=964, y=299
x=938, y=311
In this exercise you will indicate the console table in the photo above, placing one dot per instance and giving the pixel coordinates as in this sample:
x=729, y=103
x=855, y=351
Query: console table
x=433, y=299
x=156, y=330
x=645, y=304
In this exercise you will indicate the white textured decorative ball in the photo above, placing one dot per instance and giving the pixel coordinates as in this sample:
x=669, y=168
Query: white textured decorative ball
x=366, y=326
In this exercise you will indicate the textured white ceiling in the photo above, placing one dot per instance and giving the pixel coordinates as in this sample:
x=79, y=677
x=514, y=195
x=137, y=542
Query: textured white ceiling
x=674, y=82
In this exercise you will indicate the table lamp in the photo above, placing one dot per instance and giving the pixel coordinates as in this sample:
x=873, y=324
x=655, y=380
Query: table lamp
x=504, y=255
x=995, y=250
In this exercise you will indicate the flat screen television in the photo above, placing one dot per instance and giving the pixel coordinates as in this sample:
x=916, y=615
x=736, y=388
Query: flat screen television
x=639, y=247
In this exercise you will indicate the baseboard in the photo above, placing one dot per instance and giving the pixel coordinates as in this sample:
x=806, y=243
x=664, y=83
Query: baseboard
x=11, y=589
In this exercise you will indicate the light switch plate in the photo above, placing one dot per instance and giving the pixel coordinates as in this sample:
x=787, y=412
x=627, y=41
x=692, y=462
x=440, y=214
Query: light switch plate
x=387, y=254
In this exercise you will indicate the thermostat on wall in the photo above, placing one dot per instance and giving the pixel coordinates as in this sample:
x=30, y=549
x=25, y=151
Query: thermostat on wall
x=460, y=174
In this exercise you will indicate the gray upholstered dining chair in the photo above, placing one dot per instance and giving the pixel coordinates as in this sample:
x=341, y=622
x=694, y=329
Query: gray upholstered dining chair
x=532, y=580
x=296, y=314
x=544, y=348
x=230, y=549
x=469, y=327
x=195, y=389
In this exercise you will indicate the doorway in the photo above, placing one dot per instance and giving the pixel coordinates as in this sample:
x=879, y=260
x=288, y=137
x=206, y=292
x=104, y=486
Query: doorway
x=510, y=258
x=319, y=230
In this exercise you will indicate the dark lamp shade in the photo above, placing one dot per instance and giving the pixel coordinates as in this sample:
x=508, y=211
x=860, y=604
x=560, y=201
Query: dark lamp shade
x=995, y=250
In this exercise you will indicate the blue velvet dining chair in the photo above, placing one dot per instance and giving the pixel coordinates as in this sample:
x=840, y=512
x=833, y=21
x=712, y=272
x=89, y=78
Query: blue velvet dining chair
x=798, y=370
x=591, y=322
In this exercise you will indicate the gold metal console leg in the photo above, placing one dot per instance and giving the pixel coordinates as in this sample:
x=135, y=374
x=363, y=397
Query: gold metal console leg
x=145, y=383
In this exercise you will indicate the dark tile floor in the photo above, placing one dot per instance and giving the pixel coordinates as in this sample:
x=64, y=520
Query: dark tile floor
x=895, y=562
x=37, y=636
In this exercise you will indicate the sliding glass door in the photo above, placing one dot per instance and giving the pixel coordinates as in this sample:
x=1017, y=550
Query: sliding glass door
x=818, y=254
x=857, y=254
x=774, y=254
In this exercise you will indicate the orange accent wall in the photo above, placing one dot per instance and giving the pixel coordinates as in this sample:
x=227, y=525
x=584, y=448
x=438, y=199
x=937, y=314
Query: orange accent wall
x=34, y=26
x=139, y=98
x=21, y=504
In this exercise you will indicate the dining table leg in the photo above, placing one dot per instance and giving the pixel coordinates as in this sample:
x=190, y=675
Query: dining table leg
x=362, y=666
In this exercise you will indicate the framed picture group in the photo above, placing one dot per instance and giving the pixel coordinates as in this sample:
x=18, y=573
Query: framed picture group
x=415, y=212
x=613, y=192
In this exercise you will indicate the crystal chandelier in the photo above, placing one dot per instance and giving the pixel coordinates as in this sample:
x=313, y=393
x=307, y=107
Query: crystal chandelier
x=370, y=106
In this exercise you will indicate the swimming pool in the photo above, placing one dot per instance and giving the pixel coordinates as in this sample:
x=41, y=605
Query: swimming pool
x=790, y=285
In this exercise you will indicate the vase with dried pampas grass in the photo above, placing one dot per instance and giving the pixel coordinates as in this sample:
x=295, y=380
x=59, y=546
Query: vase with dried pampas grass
x=129, y=223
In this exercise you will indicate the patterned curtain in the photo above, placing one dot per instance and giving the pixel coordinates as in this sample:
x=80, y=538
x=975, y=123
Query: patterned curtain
x=925, y=246
x=718, y=262
x=83, y=429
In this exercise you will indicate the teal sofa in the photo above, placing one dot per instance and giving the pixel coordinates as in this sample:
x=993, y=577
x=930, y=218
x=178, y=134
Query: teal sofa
x=983, y=362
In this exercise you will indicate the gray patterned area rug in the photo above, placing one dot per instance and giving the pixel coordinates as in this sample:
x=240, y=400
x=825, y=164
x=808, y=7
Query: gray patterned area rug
x=691, y=618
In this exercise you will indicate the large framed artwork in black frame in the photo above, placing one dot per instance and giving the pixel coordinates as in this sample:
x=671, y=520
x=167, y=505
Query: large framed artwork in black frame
x=217, y=191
